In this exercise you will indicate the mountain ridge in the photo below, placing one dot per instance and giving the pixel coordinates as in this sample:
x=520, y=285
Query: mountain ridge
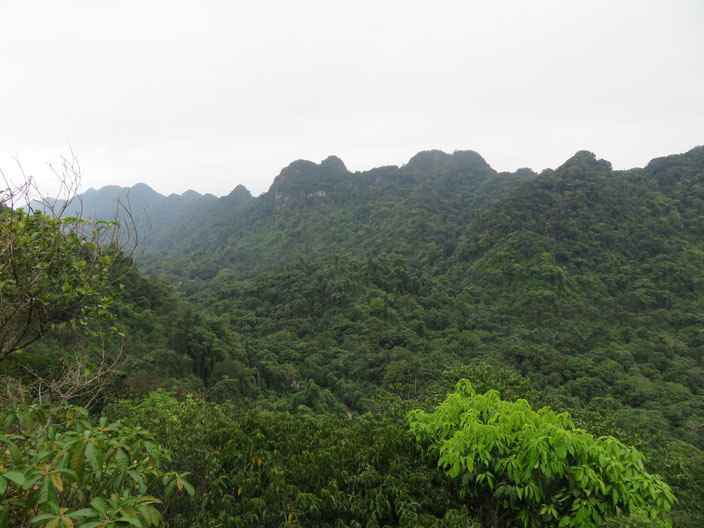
x=365, y=210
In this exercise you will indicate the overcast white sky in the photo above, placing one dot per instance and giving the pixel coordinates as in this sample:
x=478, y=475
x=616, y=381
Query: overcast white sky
x=210, y=94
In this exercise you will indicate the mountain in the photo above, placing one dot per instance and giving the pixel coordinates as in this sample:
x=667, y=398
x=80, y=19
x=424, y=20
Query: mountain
x=417, y=210
x=146, y=212
x=586, y=280
x=591, y=280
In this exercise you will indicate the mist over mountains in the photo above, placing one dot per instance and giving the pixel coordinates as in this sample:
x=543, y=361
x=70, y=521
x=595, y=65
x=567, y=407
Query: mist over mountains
x=149, y=213
x=437, y=191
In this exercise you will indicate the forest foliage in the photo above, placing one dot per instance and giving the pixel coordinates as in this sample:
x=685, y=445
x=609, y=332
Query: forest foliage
x=276, y=347
x=519, y=467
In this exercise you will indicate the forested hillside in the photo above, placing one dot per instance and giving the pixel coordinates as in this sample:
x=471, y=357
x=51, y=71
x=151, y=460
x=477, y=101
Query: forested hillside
x=148, y=214
x=417, y=210
x=276, y=344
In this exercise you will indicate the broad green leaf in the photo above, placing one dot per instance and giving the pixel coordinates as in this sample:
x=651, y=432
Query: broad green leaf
x=150, y=514
x=122, y=460
x=77, y=463
x=189, y=487
x=94, y=455
x=84, y=512
x=131, y=520
x=152, y=449
x=43, y=517
x=169, y=490
x=99, y=504
x=15, y=452
x=15, y=476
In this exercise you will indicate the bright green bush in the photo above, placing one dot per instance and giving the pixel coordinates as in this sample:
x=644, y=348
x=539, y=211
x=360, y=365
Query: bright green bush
x=519, y=467
x=58, y=470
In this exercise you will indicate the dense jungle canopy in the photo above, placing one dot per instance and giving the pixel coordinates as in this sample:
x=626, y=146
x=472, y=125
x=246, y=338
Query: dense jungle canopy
x=286, y=359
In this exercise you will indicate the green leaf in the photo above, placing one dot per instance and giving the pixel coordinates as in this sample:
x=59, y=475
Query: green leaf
x=48, y=497
x=169, y=490
x=150, y=514
x=77, y=464
x=15, y=453
x=153, y=450
x=189, y=487
x=9, y=421
x=14, y=476
x=132, y=520
x=141, y=485
x=122, y=460
x=43, y=517
x=94, y=455
x=99, y=504
x=68, y=472
x=85, y=512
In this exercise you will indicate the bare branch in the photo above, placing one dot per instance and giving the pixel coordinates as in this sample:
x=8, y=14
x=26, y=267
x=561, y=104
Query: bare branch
x=80, y=379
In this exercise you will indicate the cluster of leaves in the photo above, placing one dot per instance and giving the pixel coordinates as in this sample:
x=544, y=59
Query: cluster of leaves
x=519, y=467
x=52, y=272
x=58, y=470
x=193, y=429
x=258, y=468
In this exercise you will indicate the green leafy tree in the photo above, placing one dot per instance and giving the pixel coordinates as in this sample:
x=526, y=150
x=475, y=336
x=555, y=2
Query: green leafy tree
x=52, y=272
x=56, y=268
x=519, y=467
x=58, y=470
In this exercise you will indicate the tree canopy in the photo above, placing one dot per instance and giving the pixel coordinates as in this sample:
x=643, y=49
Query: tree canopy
x=519, y=467
x=53, y=271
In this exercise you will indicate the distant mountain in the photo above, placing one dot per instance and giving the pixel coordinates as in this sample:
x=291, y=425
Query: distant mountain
x=418, y=210
x=587, y=217
x=152, y=213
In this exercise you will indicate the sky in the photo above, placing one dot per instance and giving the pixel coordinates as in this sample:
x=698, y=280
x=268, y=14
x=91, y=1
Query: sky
x=211, y=94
